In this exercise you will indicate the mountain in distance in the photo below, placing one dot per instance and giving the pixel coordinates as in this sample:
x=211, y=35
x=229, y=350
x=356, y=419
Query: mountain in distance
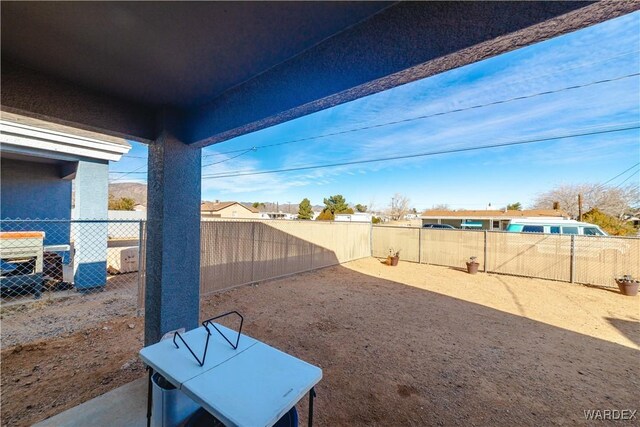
x=132, y=190
x=282, y=207
x=138, y=192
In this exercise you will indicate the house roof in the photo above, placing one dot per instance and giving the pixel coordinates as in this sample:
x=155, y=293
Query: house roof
x=27, y=138
x=58, y=128
x=494, y=213
x=217, y=206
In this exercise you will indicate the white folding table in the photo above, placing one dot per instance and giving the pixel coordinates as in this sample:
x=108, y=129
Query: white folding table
x=250, y=386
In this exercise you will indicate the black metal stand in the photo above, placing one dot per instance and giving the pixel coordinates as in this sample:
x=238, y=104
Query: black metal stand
x=209, y=321
x=312, y=394
x=149, y=395
x=206, y=324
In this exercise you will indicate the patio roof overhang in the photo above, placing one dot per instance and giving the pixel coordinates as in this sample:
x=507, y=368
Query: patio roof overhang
x=184, y=75
x=222, y=69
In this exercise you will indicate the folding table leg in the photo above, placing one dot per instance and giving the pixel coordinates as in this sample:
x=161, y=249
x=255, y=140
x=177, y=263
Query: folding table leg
x=149, y=396
x=312, y=394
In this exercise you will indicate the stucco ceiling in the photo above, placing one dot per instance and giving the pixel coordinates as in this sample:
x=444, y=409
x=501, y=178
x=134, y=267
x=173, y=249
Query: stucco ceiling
x=211, y=71
x=177, y=54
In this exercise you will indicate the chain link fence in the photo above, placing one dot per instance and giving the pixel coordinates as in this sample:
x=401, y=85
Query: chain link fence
x=238, y=252
x=592, y=260
x=51, y=258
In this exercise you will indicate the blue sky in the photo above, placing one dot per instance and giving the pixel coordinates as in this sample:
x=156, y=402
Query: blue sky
x=468, y=180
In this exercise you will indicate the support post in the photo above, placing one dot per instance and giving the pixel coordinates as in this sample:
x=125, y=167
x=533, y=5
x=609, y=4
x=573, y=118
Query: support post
x=90, y=239
x=172, y=292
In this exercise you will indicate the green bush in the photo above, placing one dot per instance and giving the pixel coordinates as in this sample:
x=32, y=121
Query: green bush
x=608, y=223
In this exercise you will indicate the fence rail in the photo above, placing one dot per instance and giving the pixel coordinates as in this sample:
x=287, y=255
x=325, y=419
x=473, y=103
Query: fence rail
x=571, y=258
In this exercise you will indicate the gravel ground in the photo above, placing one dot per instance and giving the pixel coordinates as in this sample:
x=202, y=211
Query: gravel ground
x=406, y=345
x=63, y=314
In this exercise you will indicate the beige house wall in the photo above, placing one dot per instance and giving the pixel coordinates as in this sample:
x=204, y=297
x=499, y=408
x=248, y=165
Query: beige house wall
x=233, y=211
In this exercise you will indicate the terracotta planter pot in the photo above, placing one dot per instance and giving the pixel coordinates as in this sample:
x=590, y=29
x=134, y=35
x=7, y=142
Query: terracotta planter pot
x=472, y=267
x=628, y=287
x=394, y=260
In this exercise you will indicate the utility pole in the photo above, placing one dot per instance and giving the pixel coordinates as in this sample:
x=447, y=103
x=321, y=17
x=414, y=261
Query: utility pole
x=580, y=207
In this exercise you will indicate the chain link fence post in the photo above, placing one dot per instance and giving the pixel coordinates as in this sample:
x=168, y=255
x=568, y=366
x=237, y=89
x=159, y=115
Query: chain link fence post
x=572, y=263
x=420, y=245
x=141, y=266
x=253, y=251
x=486, y=251
x=371, y=237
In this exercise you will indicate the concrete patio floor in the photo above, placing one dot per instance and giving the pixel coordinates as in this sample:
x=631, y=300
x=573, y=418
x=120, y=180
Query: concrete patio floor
x=123, y=406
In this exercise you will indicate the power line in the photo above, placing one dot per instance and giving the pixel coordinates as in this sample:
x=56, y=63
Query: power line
x=442, y=113
x=511, y=83
x=451, y=111
x=585, y=130
x=130, y=156
x=230, y=158
x=407, y=120
x=627, y=179
x=602, y=186
x=127, y=173
x=621, y=173
x=408, y=156
x=135, y=171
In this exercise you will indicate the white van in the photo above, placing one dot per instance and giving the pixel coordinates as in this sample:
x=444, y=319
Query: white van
x=554, y=226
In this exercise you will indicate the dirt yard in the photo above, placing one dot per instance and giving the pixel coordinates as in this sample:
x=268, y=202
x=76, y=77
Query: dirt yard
x=406, y=345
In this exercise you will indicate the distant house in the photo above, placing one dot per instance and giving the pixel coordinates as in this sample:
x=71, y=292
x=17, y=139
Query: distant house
x=354, y=217
x=219, y=209
x=277, y=215
x=633, y=220
x=486, y=219
x=41, y=161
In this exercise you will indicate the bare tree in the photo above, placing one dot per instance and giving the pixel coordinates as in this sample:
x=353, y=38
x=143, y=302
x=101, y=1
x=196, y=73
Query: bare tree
x=614, y=201
x=399, y=206
x=372, y=204
x=441, y=207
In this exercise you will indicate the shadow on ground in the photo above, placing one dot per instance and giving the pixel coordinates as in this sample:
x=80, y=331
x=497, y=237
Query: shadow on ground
x=629, y=328
x=391, y=354
x=398, y=355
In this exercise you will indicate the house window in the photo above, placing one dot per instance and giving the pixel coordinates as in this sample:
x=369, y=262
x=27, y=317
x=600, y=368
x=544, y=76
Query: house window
x=496, y=225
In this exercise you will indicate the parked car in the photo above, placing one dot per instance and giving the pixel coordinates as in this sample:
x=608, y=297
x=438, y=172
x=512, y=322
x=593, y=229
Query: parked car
x=591, y=241
x=554, y=226
x=441, y=226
